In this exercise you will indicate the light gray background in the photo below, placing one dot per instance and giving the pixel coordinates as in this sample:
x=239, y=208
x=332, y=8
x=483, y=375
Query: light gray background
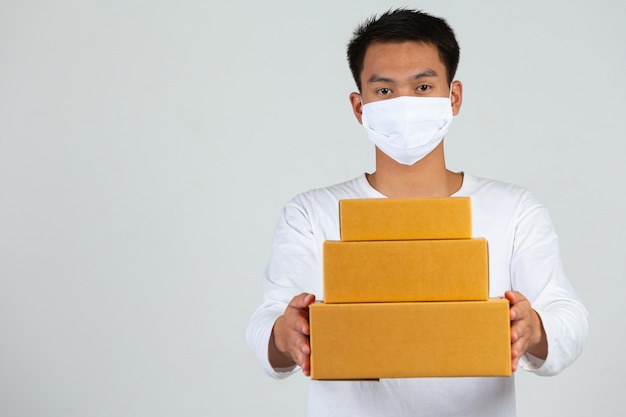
x=146, y=148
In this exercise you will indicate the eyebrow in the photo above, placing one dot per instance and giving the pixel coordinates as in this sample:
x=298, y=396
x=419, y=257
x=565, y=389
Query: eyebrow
x=377, y=78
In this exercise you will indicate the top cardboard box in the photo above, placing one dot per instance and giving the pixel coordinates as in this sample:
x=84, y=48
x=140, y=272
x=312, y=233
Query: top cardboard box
x=405, y=218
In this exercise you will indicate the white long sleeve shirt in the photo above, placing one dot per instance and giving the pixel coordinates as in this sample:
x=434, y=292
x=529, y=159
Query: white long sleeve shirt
x=523, y=256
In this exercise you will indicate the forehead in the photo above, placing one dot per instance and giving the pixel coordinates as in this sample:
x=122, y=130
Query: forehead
x=399, y=58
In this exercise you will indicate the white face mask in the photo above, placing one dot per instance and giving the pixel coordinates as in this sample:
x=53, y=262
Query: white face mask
x=407, y=128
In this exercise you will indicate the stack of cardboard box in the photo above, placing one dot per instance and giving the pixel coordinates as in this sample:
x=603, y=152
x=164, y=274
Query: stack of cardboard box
x=406, y=295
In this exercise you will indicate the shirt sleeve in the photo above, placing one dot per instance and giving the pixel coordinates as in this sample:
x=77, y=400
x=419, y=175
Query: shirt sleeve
x=294, y=267
x=537, y=272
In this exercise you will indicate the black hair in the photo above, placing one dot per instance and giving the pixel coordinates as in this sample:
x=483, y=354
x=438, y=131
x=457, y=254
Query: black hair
x=402, y=25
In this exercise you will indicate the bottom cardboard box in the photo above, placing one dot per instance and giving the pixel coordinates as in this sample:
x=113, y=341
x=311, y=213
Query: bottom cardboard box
x=406, y=340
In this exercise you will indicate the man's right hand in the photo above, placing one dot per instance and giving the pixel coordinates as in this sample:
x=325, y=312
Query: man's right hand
x=289, y=342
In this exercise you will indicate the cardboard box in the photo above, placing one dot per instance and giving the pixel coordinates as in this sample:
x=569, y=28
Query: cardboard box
x=399, y=219
x=403, y=340
x=405, y=270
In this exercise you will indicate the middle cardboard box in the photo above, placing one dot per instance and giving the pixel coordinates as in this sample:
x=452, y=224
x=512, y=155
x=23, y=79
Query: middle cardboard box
x=405, y=270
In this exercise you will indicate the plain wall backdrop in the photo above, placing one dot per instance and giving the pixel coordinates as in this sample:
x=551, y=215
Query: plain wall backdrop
x=147, y=147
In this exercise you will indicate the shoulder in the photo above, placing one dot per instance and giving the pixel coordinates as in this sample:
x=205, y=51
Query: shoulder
x=480, y=185
x=504, y=205
x=329, y=196
x=317, y=210
x=496, y=193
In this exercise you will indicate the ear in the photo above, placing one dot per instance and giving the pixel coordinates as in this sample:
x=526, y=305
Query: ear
x=456, y=97
x=357, y=105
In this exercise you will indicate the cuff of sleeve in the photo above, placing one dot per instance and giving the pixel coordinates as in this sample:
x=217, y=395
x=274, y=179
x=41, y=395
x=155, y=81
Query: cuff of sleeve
x=286, y=371
x=530, y=362
x=265, y=333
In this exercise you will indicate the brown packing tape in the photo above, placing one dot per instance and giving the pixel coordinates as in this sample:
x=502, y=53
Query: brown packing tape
x=399, y=219
x=405, y=270
x=405, y=340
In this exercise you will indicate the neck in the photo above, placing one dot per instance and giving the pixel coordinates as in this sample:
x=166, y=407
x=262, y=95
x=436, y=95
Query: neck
x=428, y=177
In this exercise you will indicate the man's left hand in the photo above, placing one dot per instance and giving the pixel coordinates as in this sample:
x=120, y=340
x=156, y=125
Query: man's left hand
x=527, y=333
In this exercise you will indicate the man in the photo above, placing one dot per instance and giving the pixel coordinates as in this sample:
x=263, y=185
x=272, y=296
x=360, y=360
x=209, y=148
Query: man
x=403, y=63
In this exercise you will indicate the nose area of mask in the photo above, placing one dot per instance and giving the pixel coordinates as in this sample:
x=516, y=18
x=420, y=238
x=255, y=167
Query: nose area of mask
x=407, y=128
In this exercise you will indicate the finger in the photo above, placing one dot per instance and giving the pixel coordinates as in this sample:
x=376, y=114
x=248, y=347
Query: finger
x=300, y=325
x=301, y=353
x=510, y=295
x=521, y=312
x=515, y=356
x=516, y=313
x=519, y=305
x=298, y=313
x=514, y=364
x=298, y=317
x=299, y=310
x=309, y=299
x=519, y=330
x=302, y=301
x=519, y=344
x=300, y=339
x=514, y=297
x=306, y=366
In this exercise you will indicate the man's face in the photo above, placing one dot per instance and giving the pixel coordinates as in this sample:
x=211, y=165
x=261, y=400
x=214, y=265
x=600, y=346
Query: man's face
x=403, y=69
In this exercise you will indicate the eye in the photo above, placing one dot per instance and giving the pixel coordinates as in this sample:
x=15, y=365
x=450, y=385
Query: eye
x=423, y=88
x=383, y=91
